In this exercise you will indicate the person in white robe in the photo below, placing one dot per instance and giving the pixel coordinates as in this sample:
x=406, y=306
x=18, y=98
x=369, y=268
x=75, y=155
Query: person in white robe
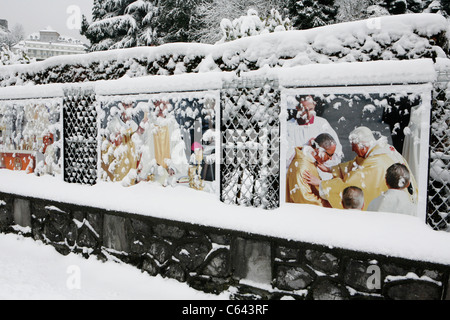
x=353, y=198
x=163, y=157
x=306, y=126
x=395, y=199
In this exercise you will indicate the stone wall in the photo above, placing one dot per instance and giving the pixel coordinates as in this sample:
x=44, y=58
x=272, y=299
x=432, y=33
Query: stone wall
x=215, y=260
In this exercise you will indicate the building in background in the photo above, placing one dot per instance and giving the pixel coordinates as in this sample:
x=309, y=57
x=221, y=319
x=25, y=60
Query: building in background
x=49, y=43
x=3, y=24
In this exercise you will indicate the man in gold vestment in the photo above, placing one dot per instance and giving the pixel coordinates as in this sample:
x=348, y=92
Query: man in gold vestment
x=367, y=171
x=307, y=158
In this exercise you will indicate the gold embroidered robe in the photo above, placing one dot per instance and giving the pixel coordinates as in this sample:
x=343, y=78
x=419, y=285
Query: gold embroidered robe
x=366, y=173
x=297, y=189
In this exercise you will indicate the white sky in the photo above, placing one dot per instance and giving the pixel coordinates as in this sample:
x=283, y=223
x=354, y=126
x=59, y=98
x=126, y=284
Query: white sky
x=35, y=15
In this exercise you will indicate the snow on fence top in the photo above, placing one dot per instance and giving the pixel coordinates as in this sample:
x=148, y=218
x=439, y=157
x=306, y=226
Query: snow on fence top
x=404, y=37
x=342, y=74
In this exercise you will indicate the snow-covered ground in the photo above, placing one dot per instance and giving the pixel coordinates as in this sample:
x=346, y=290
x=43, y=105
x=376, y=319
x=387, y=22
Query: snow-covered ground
x=375, y=232
x=30, y=270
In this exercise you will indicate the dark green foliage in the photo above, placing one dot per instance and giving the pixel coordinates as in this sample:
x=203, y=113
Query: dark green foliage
x=121, y=24
x=179, y=20
x=306, y=14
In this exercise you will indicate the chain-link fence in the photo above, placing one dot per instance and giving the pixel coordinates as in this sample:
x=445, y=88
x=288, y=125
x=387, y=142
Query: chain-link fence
x=438, y=216
x=250, y=150
x=250, y=128
x=250, y=155
x=80, y=136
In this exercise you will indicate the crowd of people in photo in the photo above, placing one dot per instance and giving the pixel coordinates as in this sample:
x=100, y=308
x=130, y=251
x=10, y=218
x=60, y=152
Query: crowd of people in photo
x=378, y=178
x=151, y=146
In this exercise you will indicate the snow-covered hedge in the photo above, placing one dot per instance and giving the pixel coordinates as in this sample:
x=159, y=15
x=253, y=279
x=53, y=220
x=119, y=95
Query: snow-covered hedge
x=410, y=36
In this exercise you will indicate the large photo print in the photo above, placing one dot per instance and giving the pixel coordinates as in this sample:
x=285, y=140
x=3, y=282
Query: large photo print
x=361, y=150
x=30, y=136
x=168, y=139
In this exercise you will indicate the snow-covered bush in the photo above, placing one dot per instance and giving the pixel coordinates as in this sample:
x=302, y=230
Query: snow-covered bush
x=274, y=22
x=252, y=25
x=7, y=57
x=245, y=26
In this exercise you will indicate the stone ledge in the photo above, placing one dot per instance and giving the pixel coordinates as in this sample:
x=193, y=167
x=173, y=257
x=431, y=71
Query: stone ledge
x=215, y=260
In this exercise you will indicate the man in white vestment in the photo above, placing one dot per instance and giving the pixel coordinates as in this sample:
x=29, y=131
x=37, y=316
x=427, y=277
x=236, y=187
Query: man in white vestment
x=306, y=126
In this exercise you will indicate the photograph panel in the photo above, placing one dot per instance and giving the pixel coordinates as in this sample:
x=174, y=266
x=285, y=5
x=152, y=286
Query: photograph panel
x=354, y=150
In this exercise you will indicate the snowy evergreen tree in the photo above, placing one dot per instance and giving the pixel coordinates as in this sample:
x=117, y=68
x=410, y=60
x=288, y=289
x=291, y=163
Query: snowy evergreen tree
x=396, y=6
x=212, y=12
x=178, y=18
x=438, y=6
x=445, y=6
x=416, y=6
x=350, y=10
x=252, y=25
x=307, y=14
x=130, y=23
x=145, y=13
x=121, y=24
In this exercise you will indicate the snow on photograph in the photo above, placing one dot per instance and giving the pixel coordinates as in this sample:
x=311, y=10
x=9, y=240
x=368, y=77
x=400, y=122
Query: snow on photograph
x=224, y=150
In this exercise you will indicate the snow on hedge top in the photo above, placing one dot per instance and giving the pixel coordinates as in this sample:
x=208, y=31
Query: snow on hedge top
x=410, y=36
x=314, y=75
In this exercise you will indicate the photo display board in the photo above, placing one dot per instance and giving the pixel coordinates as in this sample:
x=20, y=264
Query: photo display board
x=360, y=148
x=166, y=138
x=30, y=135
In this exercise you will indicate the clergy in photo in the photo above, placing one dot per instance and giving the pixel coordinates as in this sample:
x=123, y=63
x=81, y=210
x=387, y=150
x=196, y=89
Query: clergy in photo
x=119, y=156
x=163, y=151
x=366, y=171
x=307, y=158
x=305, y=125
